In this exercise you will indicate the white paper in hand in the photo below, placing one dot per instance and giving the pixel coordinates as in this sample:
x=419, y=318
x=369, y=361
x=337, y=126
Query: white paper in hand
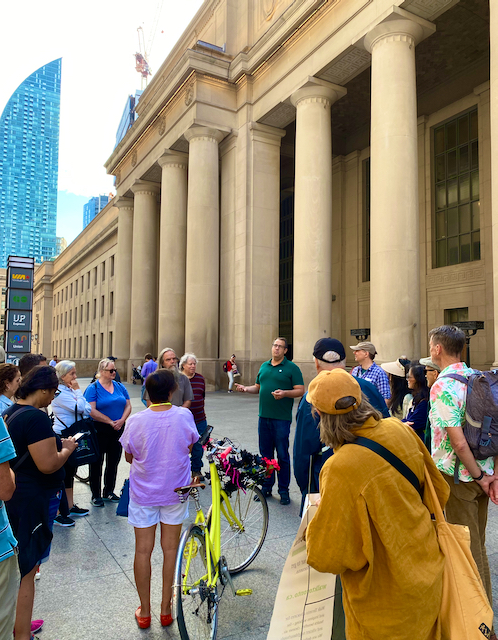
x=304, y=606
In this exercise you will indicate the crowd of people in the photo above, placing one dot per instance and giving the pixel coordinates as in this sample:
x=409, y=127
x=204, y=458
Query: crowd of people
x=371, y=528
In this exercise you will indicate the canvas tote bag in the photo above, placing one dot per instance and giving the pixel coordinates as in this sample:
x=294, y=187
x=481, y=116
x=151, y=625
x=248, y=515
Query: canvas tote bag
x=465, y=610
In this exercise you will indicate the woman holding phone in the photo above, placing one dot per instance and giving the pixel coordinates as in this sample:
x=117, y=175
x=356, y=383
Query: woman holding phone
x=41, y=455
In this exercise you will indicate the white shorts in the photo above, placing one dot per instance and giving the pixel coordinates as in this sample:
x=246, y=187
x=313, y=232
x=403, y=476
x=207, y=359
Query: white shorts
x=143, y=517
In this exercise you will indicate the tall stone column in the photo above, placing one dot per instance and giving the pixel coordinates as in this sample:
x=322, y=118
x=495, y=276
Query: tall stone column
x=123, y=269
x=394, y=251
x=203, y=242
x=172, y=253
x=312, y=296
x=144, y=276
x=494, y=163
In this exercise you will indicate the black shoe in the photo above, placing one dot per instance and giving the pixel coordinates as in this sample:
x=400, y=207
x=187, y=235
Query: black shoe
x=111, y=497
x=77, y=512
x=64, y=521
x=284, y=499
x=97, y=502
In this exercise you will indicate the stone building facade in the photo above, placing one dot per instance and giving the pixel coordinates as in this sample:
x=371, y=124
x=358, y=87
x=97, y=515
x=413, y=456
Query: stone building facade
x=300, y=168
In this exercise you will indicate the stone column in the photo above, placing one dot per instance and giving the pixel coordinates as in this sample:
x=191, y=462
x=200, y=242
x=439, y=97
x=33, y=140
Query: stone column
x=123, y=269
x=172, y=253
x=493, y=78
x=312, y=297
x=203, y=242
x=144, y=275
x=394, y=252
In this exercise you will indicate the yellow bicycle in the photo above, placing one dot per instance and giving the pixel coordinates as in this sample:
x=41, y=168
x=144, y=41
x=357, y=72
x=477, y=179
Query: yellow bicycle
x=218, y=545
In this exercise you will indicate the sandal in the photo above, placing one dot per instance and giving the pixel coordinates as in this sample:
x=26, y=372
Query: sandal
x=166, y=619
x=142, y=621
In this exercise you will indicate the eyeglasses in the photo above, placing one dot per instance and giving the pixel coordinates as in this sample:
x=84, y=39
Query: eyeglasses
x=111, y=370
x=278, y=346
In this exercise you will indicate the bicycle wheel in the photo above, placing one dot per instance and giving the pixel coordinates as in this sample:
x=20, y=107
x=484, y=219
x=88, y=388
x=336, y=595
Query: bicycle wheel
x=83, y=473
x=241, y=543
x=196, y=603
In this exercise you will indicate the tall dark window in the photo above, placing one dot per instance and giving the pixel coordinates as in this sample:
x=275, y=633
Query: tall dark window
x=366, y=222
x=286, y=269
x=456, y=191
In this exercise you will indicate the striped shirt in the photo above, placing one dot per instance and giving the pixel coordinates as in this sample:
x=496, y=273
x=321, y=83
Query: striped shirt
x=199, y=389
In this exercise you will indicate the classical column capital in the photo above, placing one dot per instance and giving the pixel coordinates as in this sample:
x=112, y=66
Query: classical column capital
x=142, y=186
x=318, y=91
x=173, y=160
x=398, y=26
x=204, y=133
x=123, y=203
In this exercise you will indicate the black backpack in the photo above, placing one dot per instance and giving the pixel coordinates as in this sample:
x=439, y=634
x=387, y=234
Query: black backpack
x=481, y=412
x=225, y=366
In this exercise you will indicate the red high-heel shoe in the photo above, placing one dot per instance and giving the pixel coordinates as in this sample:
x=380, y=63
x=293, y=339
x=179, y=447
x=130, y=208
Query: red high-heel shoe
x=166, y=620
x=142, y=621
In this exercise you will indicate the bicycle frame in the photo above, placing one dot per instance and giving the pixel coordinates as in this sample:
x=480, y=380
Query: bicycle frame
x=213, y=530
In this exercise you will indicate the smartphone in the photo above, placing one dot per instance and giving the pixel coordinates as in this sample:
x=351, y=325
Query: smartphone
x=77, y=436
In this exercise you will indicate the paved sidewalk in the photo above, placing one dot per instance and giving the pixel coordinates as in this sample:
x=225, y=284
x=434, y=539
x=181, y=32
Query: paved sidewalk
x=87, y=592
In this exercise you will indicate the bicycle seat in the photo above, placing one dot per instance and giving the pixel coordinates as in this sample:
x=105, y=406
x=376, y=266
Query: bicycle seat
x=189, y=487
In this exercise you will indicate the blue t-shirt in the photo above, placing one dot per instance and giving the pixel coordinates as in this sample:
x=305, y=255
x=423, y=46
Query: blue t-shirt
x=111, y=405
x=7, y=540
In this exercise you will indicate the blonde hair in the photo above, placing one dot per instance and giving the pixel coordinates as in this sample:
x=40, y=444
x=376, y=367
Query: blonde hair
x=335, y=430
x=103, y=365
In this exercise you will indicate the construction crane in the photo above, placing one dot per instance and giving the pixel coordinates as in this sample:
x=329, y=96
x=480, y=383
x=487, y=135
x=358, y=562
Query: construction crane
x=142, y=56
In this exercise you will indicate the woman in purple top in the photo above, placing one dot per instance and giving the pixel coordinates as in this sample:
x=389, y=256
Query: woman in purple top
x=157, y=444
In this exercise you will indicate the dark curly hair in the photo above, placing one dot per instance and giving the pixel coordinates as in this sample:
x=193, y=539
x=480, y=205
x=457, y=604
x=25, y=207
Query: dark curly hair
x=7, y=374
x=40, y=377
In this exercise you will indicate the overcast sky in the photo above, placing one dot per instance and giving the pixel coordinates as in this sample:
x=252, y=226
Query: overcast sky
x=97, y=41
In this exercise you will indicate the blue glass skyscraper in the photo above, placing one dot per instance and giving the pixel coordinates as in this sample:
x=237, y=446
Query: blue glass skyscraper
x=29, y=165
x=92, y=207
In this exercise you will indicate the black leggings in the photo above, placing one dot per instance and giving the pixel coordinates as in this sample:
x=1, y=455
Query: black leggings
x=68, y=484
x=111, y=448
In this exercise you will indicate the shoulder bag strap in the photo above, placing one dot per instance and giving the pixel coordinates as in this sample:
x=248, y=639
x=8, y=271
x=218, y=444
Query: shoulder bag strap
x=388, y=456
x=8, y=420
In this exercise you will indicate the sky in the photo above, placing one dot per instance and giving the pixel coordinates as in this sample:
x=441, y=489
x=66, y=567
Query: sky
x=97, y=41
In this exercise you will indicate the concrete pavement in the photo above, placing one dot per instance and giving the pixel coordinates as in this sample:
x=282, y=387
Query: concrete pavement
x=87, y=592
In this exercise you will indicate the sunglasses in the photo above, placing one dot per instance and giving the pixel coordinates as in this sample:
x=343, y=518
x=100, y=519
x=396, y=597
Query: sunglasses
x=57, y=392
x=111, y=370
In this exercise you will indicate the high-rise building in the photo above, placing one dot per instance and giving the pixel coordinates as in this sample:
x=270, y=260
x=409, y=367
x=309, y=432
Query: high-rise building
x=93, y=207
x=60, y=245
x=29, y=164
x=129, y=116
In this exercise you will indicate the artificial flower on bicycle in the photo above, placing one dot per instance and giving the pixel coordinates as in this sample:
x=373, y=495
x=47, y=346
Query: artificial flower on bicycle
x=239, y=469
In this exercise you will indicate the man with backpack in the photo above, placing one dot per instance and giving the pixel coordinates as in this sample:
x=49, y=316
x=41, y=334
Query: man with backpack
x=469, y=478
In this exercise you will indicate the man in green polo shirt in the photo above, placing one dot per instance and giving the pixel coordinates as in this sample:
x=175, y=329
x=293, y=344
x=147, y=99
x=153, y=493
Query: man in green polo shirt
x=278, y=382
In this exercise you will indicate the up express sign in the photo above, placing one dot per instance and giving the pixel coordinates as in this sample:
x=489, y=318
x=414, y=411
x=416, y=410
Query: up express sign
x=20, y=278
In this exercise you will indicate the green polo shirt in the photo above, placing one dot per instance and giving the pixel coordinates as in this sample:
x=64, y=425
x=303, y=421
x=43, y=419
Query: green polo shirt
x=285, y=375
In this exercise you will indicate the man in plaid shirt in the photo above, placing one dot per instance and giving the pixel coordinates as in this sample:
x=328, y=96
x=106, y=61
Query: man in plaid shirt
x=364, y=354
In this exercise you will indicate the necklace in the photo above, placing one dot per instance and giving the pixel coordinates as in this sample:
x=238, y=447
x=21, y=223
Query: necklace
x=159, y=404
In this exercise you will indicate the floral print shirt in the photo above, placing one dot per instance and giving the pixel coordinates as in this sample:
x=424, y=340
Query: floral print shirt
x=448, y=400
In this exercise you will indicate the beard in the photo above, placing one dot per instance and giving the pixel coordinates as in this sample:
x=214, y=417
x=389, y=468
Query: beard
x=175, y=371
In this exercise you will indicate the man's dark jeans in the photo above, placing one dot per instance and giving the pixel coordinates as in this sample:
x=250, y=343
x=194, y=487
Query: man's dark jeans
x=274, y=435
x=197, y=450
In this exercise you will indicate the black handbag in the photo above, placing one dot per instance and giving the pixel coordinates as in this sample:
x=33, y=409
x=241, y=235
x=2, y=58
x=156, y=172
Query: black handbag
x=88, y=445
